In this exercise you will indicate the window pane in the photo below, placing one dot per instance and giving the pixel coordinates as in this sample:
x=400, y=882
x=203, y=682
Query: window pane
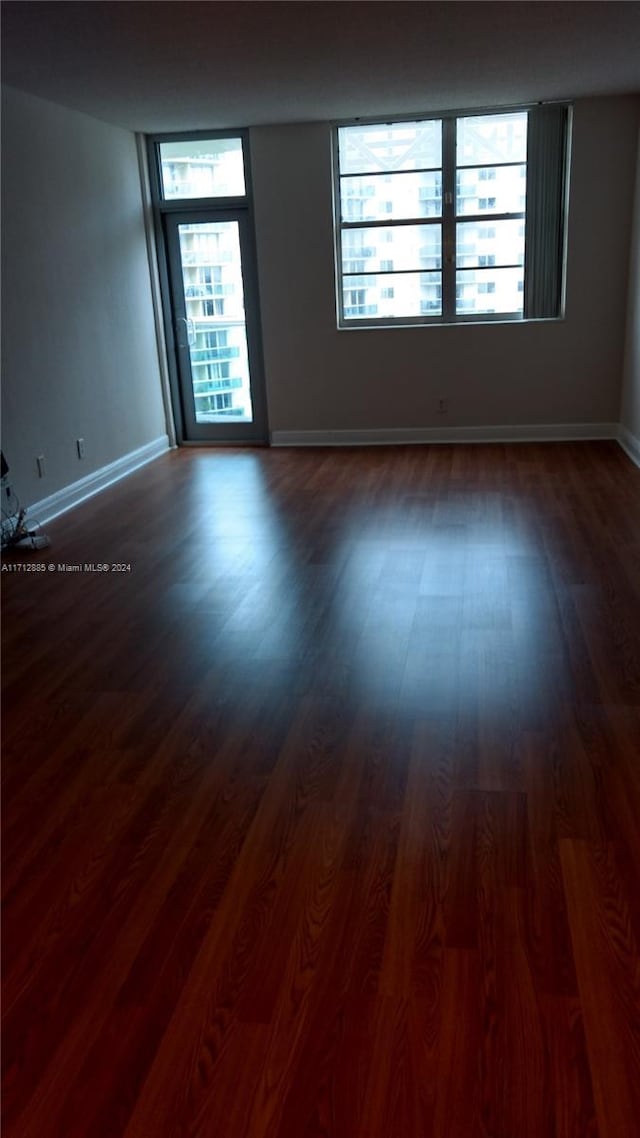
x=491, y=138
x=390, y=146
x=379, y=196
x=505, y=192
x=412, y=294
x=489, y=290
x=489, y=243
x=392, y=248
x=205, y=168
x=214, y=308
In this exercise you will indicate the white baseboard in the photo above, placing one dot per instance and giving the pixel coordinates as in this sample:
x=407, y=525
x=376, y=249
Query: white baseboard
x=70, y=496
x=62, y=500
x=629, y=443
x=385, y=436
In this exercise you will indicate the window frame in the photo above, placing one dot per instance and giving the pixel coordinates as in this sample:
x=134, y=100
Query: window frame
x=448, y=221
x=176, y=205
x=237, y=207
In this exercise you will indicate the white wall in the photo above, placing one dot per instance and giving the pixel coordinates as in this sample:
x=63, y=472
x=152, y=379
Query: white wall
x=534, y=373
x=80, y=357
x=630, y=402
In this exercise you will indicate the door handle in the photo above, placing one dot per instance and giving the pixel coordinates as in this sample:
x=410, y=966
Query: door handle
x=181, y=326
x=184, y=324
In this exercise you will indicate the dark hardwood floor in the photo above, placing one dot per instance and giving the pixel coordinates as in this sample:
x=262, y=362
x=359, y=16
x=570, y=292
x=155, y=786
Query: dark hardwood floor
x=322, y=821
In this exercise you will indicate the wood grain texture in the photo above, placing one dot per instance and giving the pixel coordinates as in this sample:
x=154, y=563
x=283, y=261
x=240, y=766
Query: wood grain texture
x=322, y=820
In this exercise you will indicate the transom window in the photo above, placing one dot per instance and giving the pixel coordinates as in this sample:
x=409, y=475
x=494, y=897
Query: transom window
x=202, y=168
x=422, y=237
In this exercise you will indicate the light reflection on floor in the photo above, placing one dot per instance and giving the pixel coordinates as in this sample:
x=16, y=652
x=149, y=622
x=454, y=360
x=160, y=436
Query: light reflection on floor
x=410, y=605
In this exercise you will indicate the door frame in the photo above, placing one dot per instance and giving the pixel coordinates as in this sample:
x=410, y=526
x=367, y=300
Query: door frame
x=195, y=210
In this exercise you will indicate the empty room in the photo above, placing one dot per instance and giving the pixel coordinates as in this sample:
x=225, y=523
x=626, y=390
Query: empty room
x=321, y=569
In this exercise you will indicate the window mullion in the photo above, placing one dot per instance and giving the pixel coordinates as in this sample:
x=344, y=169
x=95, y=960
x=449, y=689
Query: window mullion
x=448, y=218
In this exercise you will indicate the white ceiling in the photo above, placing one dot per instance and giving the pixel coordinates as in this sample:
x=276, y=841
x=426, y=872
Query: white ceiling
x=182, y=65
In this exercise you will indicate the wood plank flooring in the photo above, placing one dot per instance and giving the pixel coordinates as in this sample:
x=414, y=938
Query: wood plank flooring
x=322, y=821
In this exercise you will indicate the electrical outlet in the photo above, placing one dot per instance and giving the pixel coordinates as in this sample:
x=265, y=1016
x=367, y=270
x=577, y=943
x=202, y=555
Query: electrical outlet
x=443, y=406
x=80, y=447
x=41, y=466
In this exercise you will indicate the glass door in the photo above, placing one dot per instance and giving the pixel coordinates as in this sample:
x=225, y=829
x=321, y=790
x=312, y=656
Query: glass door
x=215, y=323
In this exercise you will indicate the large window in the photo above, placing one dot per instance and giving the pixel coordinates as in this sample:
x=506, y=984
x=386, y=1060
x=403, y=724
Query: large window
x=458, y=218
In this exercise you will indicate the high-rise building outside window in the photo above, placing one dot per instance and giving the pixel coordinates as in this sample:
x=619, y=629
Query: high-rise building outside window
x=432, y=245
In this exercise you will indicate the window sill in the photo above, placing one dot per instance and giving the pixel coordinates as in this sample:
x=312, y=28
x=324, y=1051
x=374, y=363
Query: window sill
x=501, y=321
